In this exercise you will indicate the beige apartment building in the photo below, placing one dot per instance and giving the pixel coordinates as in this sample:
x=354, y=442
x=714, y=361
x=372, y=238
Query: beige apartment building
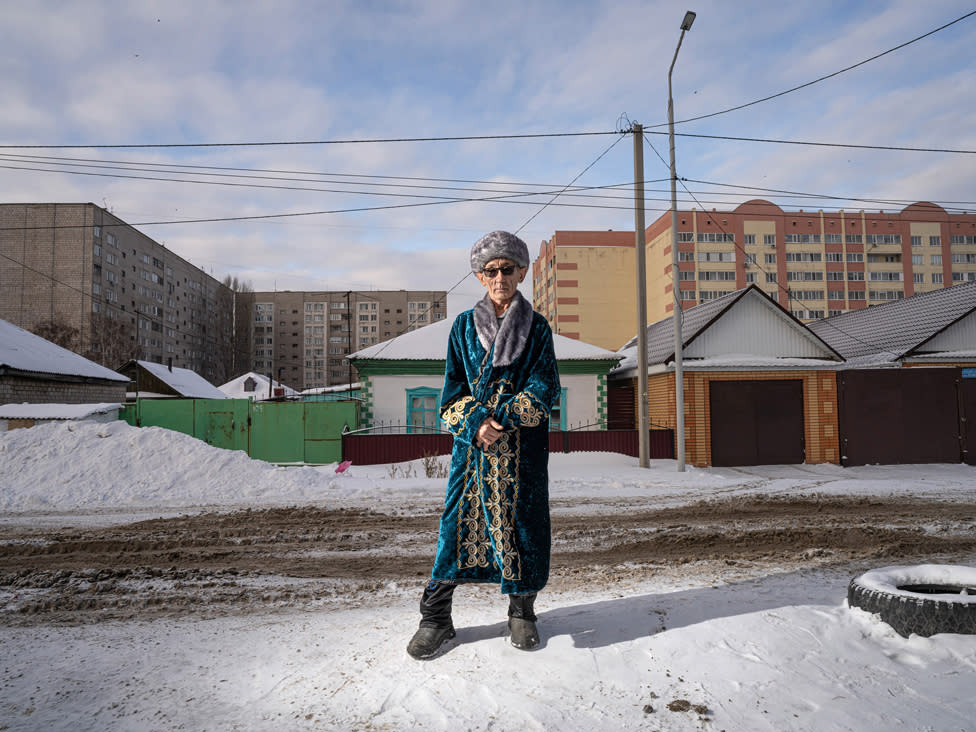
x=304, y=338
x=813, y=263
x=122, y=294
x=585, y=284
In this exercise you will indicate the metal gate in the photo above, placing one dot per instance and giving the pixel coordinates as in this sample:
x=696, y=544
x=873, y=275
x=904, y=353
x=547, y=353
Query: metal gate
x=906, y=415
x=757, y=422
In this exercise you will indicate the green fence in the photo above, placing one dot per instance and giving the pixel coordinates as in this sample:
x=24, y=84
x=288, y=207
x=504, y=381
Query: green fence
x=278, y=432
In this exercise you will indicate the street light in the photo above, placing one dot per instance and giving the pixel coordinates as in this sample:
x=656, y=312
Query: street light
x=679, y=386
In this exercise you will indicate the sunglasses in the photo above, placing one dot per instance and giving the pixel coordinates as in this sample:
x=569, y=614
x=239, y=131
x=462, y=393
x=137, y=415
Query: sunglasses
x=490, y=272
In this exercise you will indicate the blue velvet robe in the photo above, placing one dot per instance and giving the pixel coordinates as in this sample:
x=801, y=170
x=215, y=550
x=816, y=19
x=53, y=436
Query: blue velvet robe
x=495, y=525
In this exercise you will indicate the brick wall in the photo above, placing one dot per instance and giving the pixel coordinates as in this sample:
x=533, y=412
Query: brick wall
x=17, y=390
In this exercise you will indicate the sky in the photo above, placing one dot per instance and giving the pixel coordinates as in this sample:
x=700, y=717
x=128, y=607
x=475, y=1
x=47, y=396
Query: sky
x=379, y=204
x=758, y=646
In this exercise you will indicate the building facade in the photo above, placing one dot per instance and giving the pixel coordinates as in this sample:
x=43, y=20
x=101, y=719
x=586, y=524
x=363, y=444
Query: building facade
x=304, y=338
x=121, y=294
x=584, y=283
x=813, y=263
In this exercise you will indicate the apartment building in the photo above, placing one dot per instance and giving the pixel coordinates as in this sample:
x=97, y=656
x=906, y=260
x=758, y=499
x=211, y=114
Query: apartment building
x=304, y=338
x=121, y=294
x=813, y=263
x=585, y=284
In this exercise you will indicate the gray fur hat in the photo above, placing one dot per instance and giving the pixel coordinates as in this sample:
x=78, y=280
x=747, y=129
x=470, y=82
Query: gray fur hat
x=496, y=245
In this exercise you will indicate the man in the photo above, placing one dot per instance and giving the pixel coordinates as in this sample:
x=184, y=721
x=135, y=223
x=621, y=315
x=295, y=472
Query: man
x=500, y=382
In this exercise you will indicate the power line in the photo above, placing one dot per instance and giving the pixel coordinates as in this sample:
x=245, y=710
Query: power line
x=844, y=145
x=824, y=78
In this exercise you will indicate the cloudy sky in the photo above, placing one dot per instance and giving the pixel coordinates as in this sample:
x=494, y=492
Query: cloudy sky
x=131, y=105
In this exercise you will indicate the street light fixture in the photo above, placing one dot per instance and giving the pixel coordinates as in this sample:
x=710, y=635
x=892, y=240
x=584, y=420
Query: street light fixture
x=679, y=386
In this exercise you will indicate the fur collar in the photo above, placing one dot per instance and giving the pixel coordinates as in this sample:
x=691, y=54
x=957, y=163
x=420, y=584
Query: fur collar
x=511, y=337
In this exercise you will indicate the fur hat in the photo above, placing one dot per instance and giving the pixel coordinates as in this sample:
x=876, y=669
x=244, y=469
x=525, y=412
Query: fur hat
x=498, y=245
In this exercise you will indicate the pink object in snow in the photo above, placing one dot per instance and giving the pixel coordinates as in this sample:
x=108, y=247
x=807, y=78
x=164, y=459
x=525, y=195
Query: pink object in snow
x=341, y=467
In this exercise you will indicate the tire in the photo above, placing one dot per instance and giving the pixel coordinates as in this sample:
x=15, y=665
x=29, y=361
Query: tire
x=925, y=599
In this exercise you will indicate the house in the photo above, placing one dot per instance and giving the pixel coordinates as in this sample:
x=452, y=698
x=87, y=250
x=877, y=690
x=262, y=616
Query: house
x=402, y=379
x=150, y=380
x=907, y=390
x=759, y=387
x=256, y=387
x=36, y=371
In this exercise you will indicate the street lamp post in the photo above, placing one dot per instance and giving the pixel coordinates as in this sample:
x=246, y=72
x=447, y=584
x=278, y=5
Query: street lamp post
x=679, y=386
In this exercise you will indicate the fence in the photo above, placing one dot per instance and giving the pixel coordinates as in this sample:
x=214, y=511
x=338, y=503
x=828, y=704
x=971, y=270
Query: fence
x=279, y=432
x=372, y=449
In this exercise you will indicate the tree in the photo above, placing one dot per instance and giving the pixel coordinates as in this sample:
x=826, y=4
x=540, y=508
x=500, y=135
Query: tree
x=112, y=342
x=59, y=331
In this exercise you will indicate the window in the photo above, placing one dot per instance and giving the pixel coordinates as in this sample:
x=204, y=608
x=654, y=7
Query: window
x=803, y=256
x=802, y=238
x=855, y=277
x=852, y=257
x=835, y=256
x=916, y=241
x=953, y=240
x=684, y=276
x=835, y=276
x=937, y=259
x=716, y=256
x=704, y=236
x=686, y=256
x=853, y=238
x=882, y=239
x=750, y=277
x=804, y=276
x=688, y=295
x=686, y=236
x=749, y=239
x=769, y=240
x=422, y=403
x=916, y=259
x=935, y=241
x=717, y=276
x=769, y=258
x=835, y=294
x=832, y=239
x=936, y=278
x=557, y=415
x=770, y=278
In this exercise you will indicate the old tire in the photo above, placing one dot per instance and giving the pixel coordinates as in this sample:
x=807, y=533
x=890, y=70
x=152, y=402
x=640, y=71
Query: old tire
x=925, y=599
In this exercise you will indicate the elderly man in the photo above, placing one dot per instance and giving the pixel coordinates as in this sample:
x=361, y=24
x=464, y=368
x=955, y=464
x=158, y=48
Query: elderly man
x=500, y=382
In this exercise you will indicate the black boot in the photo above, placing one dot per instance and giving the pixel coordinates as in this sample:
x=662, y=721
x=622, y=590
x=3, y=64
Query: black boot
x=521, y=621
x=435, y=623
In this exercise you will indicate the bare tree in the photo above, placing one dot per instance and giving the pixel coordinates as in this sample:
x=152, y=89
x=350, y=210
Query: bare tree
x=112, y=343
x=59, y=331
x=240, y=358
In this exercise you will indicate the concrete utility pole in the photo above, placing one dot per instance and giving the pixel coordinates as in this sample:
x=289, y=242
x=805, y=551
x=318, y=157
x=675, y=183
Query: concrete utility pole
x=679, y=378
x=643, y=418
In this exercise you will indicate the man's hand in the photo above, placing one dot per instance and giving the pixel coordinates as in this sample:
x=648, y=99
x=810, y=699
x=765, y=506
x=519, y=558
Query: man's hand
x=488, y=433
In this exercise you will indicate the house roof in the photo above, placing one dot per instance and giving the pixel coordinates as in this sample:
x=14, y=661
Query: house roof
x=902, y=328
x=742, y=329
x=25, y=352
x=235, y=387
x=430, y=343
x=184, y=382
x=55, y=411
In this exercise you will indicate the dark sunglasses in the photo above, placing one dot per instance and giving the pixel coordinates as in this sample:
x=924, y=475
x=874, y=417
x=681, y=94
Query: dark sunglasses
x=491, y=272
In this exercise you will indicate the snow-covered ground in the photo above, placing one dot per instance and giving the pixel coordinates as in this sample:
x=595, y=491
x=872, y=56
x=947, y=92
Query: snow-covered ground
x=778, y=651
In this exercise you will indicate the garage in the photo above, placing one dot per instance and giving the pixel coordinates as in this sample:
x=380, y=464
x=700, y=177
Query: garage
x=757, y=422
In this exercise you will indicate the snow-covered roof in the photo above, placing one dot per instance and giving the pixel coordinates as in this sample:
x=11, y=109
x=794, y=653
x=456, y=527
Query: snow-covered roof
x=333, y=389
x=54, y=411
x=235, y=387
x=430, y=343
x=183, y=381
x=23, y=351
x=741, y=330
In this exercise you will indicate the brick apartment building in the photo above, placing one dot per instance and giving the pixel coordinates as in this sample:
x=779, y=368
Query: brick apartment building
x=304, y=338
x=125, y=296
x=813, y=263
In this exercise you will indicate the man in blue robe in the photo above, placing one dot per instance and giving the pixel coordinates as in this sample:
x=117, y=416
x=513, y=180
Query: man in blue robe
x=500, y=382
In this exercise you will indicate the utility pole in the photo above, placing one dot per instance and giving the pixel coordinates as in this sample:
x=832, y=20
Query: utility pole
x=679, y=378
x=643, y=418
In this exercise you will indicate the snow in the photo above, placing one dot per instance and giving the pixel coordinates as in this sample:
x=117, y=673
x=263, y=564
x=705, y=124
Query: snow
x=763, y=650
x=21, y=350
x=891, y=579
x=55, y=411
x=185, y=382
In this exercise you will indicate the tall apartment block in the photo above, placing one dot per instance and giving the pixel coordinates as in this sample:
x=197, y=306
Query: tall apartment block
x=304, y=338
x=124, y=294
x=813, y=263
x=585, y=284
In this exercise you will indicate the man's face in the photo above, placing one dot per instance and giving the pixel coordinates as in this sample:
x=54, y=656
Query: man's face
x=501, y=286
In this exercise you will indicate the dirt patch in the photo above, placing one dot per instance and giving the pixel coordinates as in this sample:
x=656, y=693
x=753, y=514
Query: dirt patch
x=244, y=561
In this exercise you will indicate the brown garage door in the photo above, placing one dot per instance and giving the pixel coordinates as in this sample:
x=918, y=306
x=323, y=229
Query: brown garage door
x=757, y=422
x=891, y=416
x=967, y=402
